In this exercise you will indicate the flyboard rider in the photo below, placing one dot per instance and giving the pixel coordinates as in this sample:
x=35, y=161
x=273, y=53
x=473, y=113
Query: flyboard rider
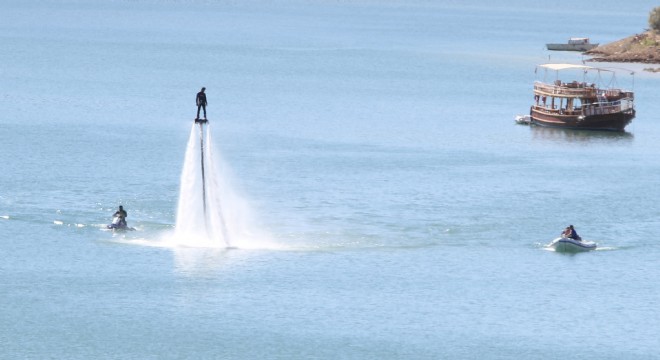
x=201, y=102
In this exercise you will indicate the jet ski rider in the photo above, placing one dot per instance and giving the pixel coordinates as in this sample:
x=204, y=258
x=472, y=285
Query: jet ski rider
x=121, y=214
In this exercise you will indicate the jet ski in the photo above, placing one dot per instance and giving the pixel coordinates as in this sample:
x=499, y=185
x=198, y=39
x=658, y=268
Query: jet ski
x=565, y=244
x=118, y=225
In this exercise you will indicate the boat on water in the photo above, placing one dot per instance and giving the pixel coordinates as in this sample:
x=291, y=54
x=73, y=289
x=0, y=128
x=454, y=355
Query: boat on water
x=584, y=104
x=565, y=244
x=573, y=44
x=523, y=119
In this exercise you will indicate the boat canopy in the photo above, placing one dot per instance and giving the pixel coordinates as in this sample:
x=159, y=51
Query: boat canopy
x=558, y=67
x=565, y=66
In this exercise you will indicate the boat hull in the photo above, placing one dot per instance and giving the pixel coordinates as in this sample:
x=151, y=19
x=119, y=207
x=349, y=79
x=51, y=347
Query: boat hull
x=570, y=47
x=571, y=245
x=610, y=122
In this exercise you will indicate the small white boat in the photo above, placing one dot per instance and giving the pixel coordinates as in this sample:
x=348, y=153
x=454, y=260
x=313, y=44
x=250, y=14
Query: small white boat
x=574, y=44
x=523, y=119
x=563, y=244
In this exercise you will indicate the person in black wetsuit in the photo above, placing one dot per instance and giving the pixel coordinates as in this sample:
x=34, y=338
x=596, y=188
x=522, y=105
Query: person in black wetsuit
x=201, y=102
x=122, y=214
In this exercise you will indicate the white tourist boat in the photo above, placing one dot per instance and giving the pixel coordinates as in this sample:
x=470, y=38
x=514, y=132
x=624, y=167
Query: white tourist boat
x=574, y=44
x=564, y=244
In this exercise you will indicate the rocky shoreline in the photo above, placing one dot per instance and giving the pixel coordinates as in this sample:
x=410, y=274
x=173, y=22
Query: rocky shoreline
x=639, y=48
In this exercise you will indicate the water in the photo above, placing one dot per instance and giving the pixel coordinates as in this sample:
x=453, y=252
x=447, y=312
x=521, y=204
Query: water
x=384, y=203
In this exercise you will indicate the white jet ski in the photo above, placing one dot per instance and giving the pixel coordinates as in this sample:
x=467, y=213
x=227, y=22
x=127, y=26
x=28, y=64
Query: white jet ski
x=118, y=225
x=564, y=244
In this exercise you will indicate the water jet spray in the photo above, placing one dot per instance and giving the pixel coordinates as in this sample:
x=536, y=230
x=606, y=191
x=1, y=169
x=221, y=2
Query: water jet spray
x=204, y=193
x=201, y=146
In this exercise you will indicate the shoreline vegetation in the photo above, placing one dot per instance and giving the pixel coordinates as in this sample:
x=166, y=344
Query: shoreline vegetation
x=639, y=48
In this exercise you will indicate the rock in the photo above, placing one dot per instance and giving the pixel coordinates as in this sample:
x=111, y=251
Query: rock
x=639, y=48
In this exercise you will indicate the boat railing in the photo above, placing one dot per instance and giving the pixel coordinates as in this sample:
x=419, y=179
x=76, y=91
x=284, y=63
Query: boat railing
x=627, y=104
x=597, y=108
x=611, y=107
x=573, y=89
x=556, y=110
x=611, y=92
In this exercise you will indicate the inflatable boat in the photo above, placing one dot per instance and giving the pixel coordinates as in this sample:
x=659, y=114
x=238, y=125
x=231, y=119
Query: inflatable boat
x=564, y=244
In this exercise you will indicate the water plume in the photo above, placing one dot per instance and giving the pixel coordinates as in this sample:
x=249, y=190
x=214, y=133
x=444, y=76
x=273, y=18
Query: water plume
x=210, y=213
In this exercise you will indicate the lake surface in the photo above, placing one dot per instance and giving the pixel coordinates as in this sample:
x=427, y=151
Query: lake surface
x=395, y=209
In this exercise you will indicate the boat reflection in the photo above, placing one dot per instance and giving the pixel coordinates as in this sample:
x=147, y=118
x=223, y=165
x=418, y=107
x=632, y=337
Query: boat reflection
x=580, y=136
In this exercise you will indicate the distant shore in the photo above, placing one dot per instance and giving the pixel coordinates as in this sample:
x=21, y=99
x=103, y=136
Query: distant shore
x=639, y=48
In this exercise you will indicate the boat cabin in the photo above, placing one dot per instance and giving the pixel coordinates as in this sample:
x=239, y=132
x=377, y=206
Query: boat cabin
x=578, y=41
